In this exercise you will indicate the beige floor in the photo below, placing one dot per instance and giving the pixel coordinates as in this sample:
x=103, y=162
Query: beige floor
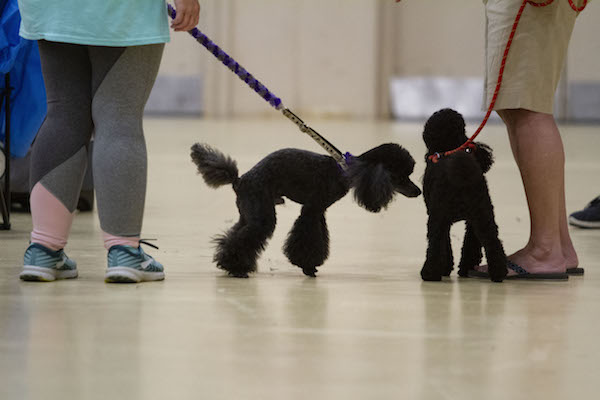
x=366, y=328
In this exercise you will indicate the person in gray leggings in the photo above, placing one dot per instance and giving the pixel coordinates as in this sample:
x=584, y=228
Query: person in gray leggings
x=98, y=77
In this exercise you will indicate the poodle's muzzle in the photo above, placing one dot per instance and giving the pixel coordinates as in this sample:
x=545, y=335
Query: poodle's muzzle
x=408, y=189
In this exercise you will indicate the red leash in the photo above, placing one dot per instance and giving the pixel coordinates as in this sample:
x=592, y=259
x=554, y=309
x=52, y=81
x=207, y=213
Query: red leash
x=548, y=2
x=469, y=143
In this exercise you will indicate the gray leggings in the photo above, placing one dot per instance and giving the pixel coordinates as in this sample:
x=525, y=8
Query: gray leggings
x=101, y=90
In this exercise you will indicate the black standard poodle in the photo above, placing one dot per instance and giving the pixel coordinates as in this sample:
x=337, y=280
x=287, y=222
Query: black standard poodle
x=455, y=189
x=314, y=180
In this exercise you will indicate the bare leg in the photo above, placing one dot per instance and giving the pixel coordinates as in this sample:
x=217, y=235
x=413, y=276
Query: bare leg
x=567, y=245
x=569, y=252
x=538, y=151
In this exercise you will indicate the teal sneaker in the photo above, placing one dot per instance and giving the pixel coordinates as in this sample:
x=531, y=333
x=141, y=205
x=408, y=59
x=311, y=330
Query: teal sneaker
x=127, y=264
x=44, y=265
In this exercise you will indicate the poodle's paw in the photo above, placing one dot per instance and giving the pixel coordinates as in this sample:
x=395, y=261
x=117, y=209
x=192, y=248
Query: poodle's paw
x=310, y=271
x=279, y=200
x=497, y=274
x=463, y=272
x=497, y=268
x=430, y=276
x=243, y=275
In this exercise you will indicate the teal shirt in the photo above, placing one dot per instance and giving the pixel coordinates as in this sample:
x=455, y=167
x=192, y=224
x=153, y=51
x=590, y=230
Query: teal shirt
x=95, y=22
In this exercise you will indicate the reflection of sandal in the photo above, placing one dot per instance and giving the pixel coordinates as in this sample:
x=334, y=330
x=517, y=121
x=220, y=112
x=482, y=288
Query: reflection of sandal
x=480, y=274
x=522, y=273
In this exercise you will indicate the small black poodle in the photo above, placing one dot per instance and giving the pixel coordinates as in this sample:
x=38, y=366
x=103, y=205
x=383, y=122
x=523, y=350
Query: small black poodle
x=455, y=189
x=314, y=180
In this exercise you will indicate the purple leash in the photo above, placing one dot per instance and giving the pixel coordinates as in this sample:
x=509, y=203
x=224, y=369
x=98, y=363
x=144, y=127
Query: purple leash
x=262, y=91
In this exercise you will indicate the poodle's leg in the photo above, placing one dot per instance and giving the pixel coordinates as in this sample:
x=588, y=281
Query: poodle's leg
x=307, y=244
x=435, y=264
x=447, y=255
x=225, y=256
x=487, y=232
x=238, y=250
x=471, y=251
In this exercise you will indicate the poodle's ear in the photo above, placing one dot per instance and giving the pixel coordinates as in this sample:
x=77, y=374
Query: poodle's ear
x=484, y=156
x=372, y=183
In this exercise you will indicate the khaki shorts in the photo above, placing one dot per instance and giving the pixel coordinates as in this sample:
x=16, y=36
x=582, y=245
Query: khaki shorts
x=536, y=57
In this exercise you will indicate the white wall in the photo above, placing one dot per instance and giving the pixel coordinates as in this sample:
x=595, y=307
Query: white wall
x=335, y=57
x=316, y=55
x=584, y=54
x=440, y=38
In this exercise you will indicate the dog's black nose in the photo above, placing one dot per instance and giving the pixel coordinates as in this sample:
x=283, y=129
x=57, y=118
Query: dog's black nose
x=415, y=193
x=409, y=189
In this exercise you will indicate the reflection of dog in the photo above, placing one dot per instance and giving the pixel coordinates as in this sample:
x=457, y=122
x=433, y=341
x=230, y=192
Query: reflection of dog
x=455, y=189
x=314, y=180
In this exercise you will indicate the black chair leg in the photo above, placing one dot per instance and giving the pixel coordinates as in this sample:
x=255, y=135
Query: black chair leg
x=5, y=193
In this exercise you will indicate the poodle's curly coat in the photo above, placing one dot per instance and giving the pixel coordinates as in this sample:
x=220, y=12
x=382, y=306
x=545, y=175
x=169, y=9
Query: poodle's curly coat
x=314, y=180
x=455, y=189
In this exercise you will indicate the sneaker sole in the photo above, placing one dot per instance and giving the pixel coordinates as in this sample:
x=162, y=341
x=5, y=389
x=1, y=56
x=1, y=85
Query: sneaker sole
x=583, y=224
x=131, y=275
x=31, y=273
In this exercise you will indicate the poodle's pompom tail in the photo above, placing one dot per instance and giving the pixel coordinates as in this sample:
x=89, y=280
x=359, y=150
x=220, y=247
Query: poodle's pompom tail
x=216, y=168
x=372, y=183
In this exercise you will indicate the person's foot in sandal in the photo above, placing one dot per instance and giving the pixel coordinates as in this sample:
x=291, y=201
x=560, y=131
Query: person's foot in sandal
x=515, y=272
x=532, y=264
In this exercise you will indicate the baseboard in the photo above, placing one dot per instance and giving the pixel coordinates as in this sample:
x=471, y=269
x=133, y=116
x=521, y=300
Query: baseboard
x=416, y=98
x=176, y=95
x=584, y=101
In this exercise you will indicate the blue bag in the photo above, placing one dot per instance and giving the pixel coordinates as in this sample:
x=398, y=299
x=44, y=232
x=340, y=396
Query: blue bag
x=21, y=59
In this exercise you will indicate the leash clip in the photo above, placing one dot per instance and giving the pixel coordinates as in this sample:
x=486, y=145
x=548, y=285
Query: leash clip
x=470, y=147
x=435, y=157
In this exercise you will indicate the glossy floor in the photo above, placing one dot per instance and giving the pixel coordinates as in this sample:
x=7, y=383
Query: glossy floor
x=366, y=328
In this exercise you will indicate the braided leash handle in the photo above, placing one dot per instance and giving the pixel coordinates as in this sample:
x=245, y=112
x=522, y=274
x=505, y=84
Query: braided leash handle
x=262, y=90
x=233, y=65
